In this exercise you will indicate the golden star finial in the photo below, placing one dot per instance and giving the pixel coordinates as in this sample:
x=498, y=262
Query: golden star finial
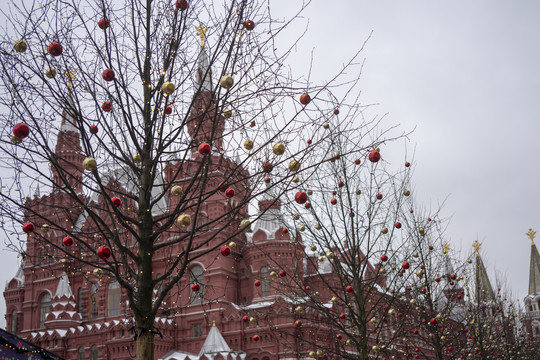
x=201, y=32
x=531, y=234
x=446, y=247
x=476, y=245
x=70, y=74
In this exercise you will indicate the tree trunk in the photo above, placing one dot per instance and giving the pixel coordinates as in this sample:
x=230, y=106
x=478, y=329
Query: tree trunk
x=145, y=346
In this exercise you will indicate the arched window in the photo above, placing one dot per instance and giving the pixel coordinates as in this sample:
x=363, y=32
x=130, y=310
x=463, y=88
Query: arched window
x=265, y=282
x=80, y=308
x=204, y=220
x=81, y=353
x=197, y=277
x=44, y=309
x=14, y=322
x=94, y=302
x=94, y=352
x=113, y=299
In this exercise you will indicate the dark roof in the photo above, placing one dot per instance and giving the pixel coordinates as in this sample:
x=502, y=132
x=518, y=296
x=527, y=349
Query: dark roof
x=13, y=347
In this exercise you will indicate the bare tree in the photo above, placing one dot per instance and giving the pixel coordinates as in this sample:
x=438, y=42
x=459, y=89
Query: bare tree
x=131, y=162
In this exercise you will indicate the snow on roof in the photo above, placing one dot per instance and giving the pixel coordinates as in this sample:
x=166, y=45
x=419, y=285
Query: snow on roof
x=179, y=355
x=214, y=343
x=257, y=305
x=63, y=287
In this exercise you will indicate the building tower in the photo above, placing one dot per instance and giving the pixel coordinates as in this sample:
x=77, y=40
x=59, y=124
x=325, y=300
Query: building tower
x=531, y=318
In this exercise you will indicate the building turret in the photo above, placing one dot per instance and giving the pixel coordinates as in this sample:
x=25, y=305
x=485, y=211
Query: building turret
x=483, y=288
x=63, y=313
x=531, y=318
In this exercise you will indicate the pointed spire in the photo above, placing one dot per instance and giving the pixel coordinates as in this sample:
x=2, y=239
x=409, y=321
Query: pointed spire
x=204, y=72
x=534, y=270
x=37, y=193
x=484, y=290
x=214, y=343
x=64, y=288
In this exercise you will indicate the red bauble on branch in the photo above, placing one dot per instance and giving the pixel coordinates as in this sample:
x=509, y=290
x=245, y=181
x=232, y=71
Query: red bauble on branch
x=333, y=201
x=229, y=193
x=68, y=241
x=249, y=25
x=195, y=287
x=300, y=197
x=182, y=5
x=336, y=111
x=282, y=273
x=257, y=283
x=103, y=252
x=384, y=257
x=94, y=129
x=256, y=337
x=305, y=99
x=268, y=167
x=407, y=164
x=21, y=130
x=108, y=75
x=103, y=24
x=379, y=196
x=106, y=106
x=342, y=316
x=298, y=323
x=168, y=110
x=55, y=49
x=267, y=179
x=374, y=156
x=349, y=289
x=405, y=265
x=245, y=318
x=204, y=149
x=397, y=225
x=225, y=251
x=28, y=227
x=116, y=201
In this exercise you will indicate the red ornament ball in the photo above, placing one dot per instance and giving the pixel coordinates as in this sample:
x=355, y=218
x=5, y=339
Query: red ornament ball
x=308, y=288
x=55, y=49
x=453, y=276
x=349, y=289
x=339, y=336
x=405, y=265
x=305, y=99
x=168, y=110
x=309, y=141
x=336, y=111
x=106, y=106
x=28, y=227
x=357, y=161
x=300, y=197
x=333, y=201
x=93, y=129
x=438, y=279
x=307, y=205
x=256, y=337
x=108, y=75
x=398, y=225
x=103, y=24
x=245, y=318
x=285, y=231
x=195, y=287
x=68, y=241
x=267, y=179
x=342, y=316
x=282, y=273
x=103, y=252
x=116, y=201
x=379, y=196
x=249, y=25
x=229, y=193
x=225, y=251
x=268, y=167
x=21, y=130
x=384, y=257
x=257, y=283
x=407, y=164
x=374, y=156
x=204, y=149
x=182, y=5
x=298, y=323
x=334, y=192
x=341, y=184
x=433, y=321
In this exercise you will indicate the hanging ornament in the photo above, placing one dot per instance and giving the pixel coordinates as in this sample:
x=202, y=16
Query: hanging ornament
x=357, y=161
x=15, y=139
x=406, y=192
x=407, y=164
x=55, y=49
x=307, y=205
x=379, y=196
x=168, y=110
x=232, y=245
x=68, y=241
x=256, y=337
x=341, y=184
x=195, y=287
x=248, y=144
x=295, y=179
x=384, y=257
x=225, y=251
x=20, y=46
x=106, y=106
x=245, y=318
x=45, y=228
x=257, y=283
x=227, y=113
x=176, y=190
x=168, y=88
x=267, y=180
x=90, y=164
x=326, y=125
x=294, y=165
x=50, y=73
x=358, y=192
x=226, y=81
x=21, y=130
x=183, y=221
x=268, y=167
x=405, y=265
x=249, y=25
x=93, y=129
x=333, y=201
x=330, y=255
x=349, y=289
x=300, y=197
x=137, y=158
x=204, y=149
x=278, y=149
x=282, y=273
x=104, y=252
x=229, y=193
x=298, y=323
x=245, y=225
x=305, y=99
x=103, y=24
x=116, y=201
x=397, y=225
x=182, y=5
x=97, y=272
x=374, y=156
x=108, y=75
x=28, y=227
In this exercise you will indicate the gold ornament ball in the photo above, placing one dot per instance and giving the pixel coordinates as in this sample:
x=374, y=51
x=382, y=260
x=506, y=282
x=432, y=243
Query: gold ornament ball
x=176, y=190
x=50, y=73
x=226, y=81
x=334, y=299
x=137, y=158
x=296, y=216
x=296, y=179
x=321, y=258
x=90, y=164
x=391, y=312
x=20, y=46
x=245, y=224
x=382, y=271
x=299, y=309
x=183, y=221
x=326, y=125
x=167, y=88
x=313, y=248
x=358, y=192
x=273, y=274
x=406, y=193
x=97, y=272
x=302, y=228
x=252, y=320
x=15, y=139
x=330, y=255
x=377, y=149
x=318, y=227
x=278, y=149
x=232, y=245
x=419, y=273
x=45, y=228
x=415, y=254
x=248, y=144
x=422, y=231
x=384, y=230
x=310, y=192
x=227, y=113
x=294, y=165
x=312, y=354
x=348, y=342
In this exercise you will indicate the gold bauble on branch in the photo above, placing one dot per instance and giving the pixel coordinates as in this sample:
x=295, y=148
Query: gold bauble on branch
x=167, y=88
x=334, y=299
x=245, y=224
x=248, y=144
x=313, y=248
x=50, y=73
x=384, y=230
x=15, y=139
x=176, y=190
x=302, y=228
x=20, y=46
x=318, y=226
x=321, y=258
x=227, y=113
x=406, y=193
x=90, y=164
x=232, y=245
x=137, y=158
x=330, y=255
x=45, y=228
x=294, y=165
x=226, y=81
x=97, y=272
x=310, y=192
x=326, y=125
x=273, y=274
x=252, y=320
x=295, y=179
x=358, y=192
x=183, y=221
x=296, y=216
x=278, y=149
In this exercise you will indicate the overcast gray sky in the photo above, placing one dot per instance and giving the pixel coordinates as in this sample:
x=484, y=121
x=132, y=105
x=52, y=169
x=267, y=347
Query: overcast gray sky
x=466, y=75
